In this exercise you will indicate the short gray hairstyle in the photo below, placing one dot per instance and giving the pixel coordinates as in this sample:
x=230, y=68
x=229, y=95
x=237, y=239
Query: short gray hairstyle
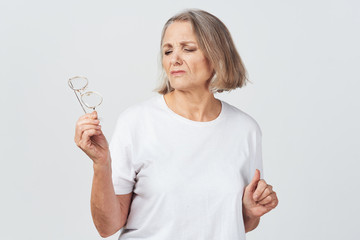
x=215, y=41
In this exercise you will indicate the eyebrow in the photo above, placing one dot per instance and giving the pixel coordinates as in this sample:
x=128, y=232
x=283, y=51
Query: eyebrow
x=181, y=43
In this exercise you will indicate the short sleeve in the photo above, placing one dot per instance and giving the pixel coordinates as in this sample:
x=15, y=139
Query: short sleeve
x=256, y=161
x=123, y=173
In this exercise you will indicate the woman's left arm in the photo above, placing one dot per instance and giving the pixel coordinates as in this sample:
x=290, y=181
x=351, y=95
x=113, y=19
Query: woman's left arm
x=258, y=199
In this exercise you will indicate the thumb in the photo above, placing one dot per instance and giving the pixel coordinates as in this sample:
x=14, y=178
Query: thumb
x=253, y=184
x=94, y=115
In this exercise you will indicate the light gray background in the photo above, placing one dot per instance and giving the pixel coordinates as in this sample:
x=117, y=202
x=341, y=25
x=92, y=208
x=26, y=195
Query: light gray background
x=302, y=57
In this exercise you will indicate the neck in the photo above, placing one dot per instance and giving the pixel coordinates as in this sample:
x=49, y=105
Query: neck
x=197, y=107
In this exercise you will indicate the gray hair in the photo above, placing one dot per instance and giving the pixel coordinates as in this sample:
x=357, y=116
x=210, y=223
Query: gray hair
x=215, y=41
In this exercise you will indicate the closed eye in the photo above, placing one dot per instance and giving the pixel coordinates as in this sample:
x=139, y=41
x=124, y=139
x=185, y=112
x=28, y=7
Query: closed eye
x=185, y=49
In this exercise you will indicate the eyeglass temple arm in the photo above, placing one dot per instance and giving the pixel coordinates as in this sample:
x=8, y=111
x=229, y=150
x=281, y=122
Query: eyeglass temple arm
x=80, y=102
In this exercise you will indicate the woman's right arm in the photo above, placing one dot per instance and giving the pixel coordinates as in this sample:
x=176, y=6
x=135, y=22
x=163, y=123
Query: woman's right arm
x=109, y=211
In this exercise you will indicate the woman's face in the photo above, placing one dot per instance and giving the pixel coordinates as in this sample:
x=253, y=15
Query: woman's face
x=183, y=61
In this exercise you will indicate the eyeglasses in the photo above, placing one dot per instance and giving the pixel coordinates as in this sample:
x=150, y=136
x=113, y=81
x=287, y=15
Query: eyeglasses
x=89, y=99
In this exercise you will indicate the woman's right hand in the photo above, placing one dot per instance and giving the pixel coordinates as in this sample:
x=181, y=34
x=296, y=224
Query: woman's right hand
x=90, y=138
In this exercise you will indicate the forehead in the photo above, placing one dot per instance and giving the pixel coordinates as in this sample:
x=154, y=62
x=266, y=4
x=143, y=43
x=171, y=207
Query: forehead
x=179, y=32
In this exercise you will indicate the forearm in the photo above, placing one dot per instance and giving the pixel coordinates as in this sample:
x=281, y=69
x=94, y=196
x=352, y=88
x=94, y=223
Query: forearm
x=250, y=223
x=105, y=207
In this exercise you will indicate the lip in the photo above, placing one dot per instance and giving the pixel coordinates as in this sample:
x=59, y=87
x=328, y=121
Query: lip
x=177, y=72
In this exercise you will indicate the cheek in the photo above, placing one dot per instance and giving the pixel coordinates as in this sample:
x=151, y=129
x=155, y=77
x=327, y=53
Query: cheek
x=208, y=65
x=204, y=67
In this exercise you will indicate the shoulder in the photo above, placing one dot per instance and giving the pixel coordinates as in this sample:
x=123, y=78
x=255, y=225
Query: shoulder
x=242, y=119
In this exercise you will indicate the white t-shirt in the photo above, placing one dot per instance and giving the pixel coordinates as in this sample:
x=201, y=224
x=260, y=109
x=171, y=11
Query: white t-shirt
x=187, y=177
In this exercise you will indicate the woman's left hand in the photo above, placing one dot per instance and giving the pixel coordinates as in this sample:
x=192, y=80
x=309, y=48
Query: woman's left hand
x=259, y=197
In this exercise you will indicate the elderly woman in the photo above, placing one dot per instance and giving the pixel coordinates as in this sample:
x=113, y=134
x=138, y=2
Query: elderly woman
x=183, y=164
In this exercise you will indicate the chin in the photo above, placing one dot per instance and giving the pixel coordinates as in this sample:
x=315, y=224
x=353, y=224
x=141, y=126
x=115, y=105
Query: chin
x=178, y=84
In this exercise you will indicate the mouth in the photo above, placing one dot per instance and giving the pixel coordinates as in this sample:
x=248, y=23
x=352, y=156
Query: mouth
x=177, y=72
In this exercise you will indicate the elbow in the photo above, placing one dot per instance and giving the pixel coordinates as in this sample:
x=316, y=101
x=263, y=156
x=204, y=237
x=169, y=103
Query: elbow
x=108, y=226
x=104, y=235
x=105, y=232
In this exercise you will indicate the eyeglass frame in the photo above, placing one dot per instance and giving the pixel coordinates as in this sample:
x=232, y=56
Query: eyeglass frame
x=80, y=91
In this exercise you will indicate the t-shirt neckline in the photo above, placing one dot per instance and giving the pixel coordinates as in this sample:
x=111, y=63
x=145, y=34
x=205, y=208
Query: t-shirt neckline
x=189, y=121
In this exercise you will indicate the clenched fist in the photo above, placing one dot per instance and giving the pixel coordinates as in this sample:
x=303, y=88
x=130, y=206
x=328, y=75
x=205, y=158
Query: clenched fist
x=259, y=197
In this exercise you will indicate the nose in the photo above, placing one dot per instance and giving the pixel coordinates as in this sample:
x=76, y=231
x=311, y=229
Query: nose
x=176, y=58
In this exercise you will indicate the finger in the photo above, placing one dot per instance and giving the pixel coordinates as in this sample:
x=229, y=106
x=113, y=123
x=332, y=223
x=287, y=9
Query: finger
x=82, y=128
x=273, y=203
x=97, y=129
x=85, y=116
x=94, y=115
x=268, y=190
x=84, y=125
x=267, y=199
x=259, y=189
x=87, y=121
x=85, y=141
x=252, y=185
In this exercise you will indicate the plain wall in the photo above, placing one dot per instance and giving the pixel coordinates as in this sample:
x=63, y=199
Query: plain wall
x=302, y=57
